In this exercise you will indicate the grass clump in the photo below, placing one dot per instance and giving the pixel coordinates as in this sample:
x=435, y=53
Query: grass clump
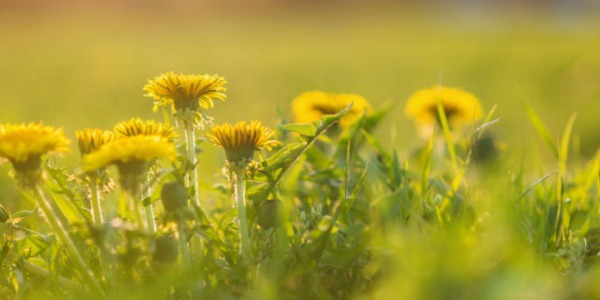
x=324, y=211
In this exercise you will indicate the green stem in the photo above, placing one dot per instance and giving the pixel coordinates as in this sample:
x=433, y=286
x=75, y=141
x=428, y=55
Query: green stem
x=446, y=131
x=60, y=231
x=240, y=196
x=96, y=207
x=183, y=247
x=149, y=209
x=191, y=156
x=136, y=210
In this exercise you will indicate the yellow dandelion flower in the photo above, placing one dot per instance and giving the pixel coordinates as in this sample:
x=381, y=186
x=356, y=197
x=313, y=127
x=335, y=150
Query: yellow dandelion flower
x=242, y=139
x=132, y=155
x=91, y=139
x=130, y=150
x=311, y=106
x=24, y=144
x=136, y=126
x=460, y=107
x=182, y=91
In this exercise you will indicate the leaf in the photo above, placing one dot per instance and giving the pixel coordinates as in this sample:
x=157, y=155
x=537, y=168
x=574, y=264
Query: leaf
x=539, y=127
x=397, y=174
x=308, y=130
x=374, y=118
x=22, y=214
x=283, y=157
x=328, y=120
x=257, y=191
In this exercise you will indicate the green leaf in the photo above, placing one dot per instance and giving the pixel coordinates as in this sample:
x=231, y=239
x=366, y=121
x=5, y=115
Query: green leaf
x=283, y=157
x=397, y=174
x=373, y=119
x=303, y=129
x=22, y=214
x=540, y=127
x=328, y=120
x=257, y=190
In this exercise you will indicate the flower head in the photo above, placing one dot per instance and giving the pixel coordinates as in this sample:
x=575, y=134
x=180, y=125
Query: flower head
x=91, y=139
x=136, y=126
x=132, y=155
x=311, y=106
x=186, y=91
x=242, y=139
x=24, y=144
x=460, y=107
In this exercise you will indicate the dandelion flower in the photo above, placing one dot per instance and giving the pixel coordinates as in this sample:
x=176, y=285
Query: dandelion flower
x=182, y=91
x=132, y=155
x=136, y=126
x=91, y=139
x=24, y=144
x=460, y=107
x=311, y=106
x=242, y=139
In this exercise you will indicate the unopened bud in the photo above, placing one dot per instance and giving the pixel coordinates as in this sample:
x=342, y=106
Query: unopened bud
x=174, y=196
x=166, y=249
x=270, y=213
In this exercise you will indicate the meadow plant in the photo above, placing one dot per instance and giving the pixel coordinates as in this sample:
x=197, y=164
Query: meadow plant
x=321, y=208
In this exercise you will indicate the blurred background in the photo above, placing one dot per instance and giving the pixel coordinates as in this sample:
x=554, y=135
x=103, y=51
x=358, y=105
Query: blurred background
x=84, y=65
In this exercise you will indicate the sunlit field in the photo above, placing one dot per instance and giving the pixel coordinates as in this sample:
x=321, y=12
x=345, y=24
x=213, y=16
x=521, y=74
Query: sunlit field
x=386, y=152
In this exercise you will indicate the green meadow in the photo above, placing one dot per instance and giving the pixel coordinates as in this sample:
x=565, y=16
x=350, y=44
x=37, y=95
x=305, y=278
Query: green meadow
x=507, y=207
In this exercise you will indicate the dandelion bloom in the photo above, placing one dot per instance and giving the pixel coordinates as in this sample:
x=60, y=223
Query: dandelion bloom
x=132, y=155
x=311, y=106
x=460, y=107
x=24, y=144
x=242, y=139
x=182, y=91
x=136, y=126
x=91, y=139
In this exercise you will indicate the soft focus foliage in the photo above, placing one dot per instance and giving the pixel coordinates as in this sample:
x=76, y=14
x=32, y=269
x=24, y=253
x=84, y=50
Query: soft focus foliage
x=349, y=203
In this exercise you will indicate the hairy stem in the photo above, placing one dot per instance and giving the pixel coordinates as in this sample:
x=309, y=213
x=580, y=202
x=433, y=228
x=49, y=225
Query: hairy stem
x=240, y=196
x=62, y=234
x=191, y=156
x=149, y=209
x=96, y=207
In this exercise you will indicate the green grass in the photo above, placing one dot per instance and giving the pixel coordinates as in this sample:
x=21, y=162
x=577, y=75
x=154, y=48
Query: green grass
x=374, y=211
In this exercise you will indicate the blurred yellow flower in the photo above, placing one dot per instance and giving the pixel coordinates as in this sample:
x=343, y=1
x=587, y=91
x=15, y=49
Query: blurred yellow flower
x=24, y=144
x=136, y=126
x=242, y=139
x=132, y=155
x=182, y=91
x=128, y=151
x=311, y=106
x=460, y=107
x=91, y=139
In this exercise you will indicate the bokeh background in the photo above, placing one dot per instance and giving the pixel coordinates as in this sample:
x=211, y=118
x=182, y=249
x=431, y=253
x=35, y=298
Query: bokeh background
x=84, y=65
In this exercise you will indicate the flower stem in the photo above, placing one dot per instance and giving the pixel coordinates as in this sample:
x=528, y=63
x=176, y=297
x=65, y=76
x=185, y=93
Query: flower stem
x=183, y=247
x=96, y=207
x=149, y=209
x=136, y=210
x=60, y=231
x=240, y=196
x=191, y=156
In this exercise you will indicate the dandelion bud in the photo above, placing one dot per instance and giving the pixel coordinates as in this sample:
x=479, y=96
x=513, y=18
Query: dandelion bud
x=270, y=213
x=174, y=196
x=166, y=250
